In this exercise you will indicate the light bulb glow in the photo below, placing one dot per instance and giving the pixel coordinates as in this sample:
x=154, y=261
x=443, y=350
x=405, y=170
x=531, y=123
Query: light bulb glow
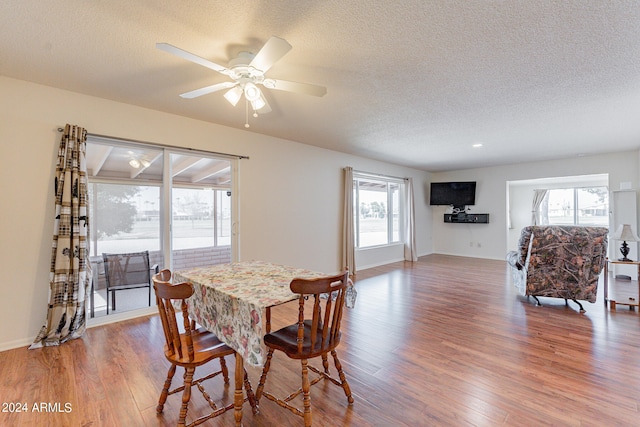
x=251, y=92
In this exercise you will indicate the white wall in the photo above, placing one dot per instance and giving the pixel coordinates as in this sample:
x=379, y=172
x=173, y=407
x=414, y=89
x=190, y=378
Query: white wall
x=491, y=197
x=290, y=204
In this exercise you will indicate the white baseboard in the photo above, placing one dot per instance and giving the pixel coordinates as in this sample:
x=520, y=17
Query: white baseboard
x=366, y=267
x=470, y=256
x=391, y=261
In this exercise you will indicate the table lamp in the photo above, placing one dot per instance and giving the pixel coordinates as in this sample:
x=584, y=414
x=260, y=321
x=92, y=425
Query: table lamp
x=626, y=234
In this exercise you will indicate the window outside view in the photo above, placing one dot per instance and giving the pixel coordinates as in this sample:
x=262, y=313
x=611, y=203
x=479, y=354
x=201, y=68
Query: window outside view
x=128, y=213
x=126, y=218
x=377, y=212
x=201, y=218
x=578, y=206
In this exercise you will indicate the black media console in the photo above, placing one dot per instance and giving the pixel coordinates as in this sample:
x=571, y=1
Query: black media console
x=467, y=218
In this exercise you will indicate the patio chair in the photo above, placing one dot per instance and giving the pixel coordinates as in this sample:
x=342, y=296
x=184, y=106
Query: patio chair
x=127, y=271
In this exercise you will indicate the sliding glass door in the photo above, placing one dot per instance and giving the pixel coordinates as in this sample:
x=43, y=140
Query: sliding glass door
x=200, y=211
x=175, y=204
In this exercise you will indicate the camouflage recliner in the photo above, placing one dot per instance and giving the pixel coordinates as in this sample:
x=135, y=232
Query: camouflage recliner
x=559, y=262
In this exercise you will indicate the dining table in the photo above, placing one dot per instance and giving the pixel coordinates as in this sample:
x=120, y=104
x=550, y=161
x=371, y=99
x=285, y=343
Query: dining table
x=234, y=301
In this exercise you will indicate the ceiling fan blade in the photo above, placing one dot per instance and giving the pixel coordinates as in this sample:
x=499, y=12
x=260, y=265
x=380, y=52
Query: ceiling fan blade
x=191, y=57
x=305, y=88
x=274, y=49
x=209, y=89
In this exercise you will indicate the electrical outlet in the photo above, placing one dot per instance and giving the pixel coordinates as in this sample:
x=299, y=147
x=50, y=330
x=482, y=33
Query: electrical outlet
x=479, y=244
x=471, y=244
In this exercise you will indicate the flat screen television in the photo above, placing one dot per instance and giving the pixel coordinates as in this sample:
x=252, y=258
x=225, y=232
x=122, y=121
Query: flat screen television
x=457, y=194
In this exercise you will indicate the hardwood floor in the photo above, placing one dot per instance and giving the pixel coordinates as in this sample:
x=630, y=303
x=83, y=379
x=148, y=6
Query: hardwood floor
x=444, y=341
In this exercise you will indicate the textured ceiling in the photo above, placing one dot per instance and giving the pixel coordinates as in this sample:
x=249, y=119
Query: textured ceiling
x=409, y=82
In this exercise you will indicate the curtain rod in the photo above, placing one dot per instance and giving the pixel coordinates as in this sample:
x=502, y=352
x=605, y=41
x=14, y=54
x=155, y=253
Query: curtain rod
x=379, y=175
x=135, y=141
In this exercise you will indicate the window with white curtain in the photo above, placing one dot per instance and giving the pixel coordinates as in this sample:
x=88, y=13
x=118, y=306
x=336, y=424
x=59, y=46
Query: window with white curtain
x=378, y=210
x=578, y=206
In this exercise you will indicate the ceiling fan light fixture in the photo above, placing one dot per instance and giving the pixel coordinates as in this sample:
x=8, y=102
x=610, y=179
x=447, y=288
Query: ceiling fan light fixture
x=251, y=92
x=258, y=103
x=233, y=95
x=247, y=72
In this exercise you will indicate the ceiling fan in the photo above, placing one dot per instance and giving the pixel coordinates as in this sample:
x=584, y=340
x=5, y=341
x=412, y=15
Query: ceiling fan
x=247, y=71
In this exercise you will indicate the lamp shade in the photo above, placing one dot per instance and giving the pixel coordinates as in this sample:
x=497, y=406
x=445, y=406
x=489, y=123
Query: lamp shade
x=233, y=95
x=624, y=232
x=258, y=103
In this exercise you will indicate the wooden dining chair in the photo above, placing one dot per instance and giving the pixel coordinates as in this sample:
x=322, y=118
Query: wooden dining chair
x=310, y=338
x=190, y=349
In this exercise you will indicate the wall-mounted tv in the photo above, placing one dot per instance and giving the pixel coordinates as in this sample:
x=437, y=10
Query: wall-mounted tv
x=457, y=194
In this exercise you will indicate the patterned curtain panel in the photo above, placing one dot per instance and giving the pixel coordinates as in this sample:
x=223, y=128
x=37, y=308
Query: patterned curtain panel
x=70, y=270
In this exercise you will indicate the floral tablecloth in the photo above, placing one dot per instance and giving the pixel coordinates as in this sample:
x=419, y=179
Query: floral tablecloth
x=230, y=300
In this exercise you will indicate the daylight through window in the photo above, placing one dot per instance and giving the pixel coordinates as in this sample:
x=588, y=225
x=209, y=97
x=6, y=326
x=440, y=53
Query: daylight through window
x=175, y=204
x=577, y=206
x=377, y=209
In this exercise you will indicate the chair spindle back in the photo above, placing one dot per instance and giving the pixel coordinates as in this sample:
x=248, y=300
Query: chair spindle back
x=166, y=293
x=325, y=327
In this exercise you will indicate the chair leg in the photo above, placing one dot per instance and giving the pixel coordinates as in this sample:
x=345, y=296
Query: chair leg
x=113, y=300
x=325, y=363
x=263, y=377
x=306, y=393
x=250, y=396
x=186, y=395
x=165, y=389
x=225, y=371
x=92, y=299
x=343, y=379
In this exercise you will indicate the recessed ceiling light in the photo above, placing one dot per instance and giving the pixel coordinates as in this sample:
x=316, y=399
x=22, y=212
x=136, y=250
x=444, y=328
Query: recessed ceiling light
x=477, y=145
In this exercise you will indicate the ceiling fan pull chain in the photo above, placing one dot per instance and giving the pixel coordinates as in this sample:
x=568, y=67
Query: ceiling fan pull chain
x=246, y=113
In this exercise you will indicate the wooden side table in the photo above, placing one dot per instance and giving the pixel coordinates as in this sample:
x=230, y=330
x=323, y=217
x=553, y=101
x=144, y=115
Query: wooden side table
x=623, y=292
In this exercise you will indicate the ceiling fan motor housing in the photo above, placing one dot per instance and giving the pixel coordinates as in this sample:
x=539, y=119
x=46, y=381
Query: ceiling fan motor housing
x=242, y=72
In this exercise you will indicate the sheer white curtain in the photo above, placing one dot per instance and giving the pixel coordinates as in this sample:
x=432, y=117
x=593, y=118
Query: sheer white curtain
x=409, y=223
x=348, y=244
x=538, y=198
